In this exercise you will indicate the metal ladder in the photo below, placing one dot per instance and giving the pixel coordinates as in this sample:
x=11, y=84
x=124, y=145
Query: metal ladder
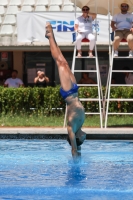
x=100, y=94
x=108, y=99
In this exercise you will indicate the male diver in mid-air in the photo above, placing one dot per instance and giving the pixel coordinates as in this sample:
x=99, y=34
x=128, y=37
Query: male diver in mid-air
x=69, y=91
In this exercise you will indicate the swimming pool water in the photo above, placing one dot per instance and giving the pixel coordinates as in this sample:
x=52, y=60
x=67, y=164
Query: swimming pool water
x=44, y=170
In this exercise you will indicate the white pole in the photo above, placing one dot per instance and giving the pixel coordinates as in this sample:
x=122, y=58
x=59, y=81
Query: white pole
x=100, y=95
x=113, y=8
x=65, y=118
x=109, y=49
x=109, y=32
x=109, y=78
x=96, y=19
x=75, y=8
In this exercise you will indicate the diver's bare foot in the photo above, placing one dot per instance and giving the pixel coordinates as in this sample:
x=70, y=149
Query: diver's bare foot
x=49, y=30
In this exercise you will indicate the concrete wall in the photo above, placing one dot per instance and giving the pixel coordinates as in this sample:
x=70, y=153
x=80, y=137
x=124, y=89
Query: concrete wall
x=18, y=63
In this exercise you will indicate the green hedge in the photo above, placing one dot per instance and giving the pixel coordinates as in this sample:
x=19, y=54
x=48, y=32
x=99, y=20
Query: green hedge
x=119, y=106
x=29, y=99
x=48, y=100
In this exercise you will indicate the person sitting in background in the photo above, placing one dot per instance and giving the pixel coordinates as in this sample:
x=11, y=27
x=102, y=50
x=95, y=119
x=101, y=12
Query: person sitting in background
x=122, y=25
x=128, y=76
x=86, y=79
x=83, y=26
x=13, y=81
x=42, y=80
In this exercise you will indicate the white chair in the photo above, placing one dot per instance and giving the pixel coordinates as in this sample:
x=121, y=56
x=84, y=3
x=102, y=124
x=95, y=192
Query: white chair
x=78, y=9
x=54, y=8
x=4, y=2
x=10, y=19
x=40, y=8
x=12, y=10
x=26, y=9
x=68, y=8
x=56, y=2
x=68, y=2
x=15, y=3
x=6, y=30
x=2, y=10
x=14, y=37
x=29, y=2
x=42, y=3
x=16, y=32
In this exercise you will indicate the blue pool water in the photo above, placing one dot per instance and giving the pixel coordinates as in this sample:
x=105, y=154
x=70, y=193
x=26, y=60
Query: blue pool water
x=44, y=170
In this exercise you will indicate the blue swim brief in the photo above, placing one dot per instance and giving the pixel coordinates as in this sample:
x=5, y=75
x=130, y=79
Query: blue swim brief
x=73, y=90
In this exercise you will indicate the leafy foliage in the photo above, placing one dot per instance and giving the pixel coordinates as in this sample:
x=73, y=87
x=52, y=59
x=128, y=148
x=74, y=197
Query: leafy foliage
x=48, y=100
x=122, y=93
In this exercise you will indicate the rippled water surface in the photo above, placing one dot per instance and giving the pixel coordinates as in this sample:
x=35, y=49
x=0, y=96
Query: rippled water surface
x=44, y=170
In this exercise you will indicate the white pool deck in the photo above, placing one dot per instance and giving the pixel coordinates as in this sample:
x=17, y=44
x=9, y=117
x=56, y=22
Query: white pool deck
x=123, y=133
x=37, y=130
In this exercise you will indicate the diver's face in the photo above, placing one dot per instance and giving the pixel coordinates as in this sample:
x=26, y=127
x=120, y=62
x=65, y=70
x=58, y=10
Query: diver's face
x=82, y=138
x=81, y=135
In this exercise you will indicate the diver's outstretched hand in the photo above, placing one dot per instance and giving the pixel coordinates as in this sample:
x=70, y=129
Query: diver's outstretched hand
x=49, y=30
x=76, y=156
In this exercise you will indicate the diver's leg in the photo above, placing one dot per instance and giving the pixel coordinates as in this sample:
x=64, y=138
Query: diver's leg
x=65, y=74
